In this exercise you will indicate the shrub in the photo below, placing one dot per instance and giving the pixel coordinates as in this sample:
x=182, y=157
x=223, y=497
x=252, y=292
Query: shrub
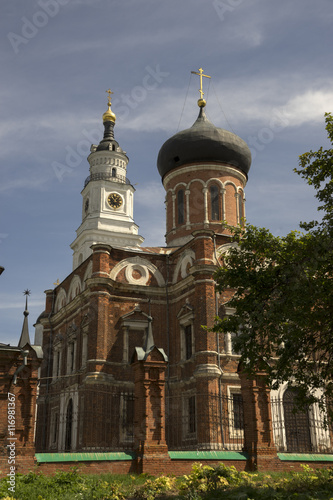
x=154, y=487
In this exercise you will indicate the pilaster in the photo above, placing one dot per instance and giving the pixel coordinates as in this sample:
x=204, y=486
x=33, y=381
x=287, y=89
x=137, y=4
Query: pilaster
x=258, y=430
x=149, y=410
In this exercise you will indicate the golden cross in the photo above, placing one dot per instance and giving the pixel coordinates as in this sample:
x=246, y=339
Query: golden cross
x=201, y=75
x=57, y=282
x=109, y=96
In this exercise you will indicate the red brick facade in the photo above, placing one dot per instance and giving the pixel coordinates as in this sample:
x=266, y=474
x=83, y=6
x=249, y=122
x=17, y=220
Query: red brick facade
x=97, y=393
x=18, y=396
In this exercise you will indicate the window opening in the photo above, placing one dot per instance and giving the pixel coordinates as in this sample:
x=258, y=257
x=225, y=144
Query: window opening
x=297, y=424
x=58, y=364
x=55, y=429
x=69, y=423
x=180, y=206
x=214, y=200
x=237, y=408
x=188, y=341
x=191, y=415
x=71, y=357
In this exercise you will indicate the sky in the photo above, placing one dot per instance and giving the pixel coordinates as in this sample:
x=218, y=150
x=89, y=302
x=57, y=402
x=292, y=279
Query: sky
x=271, y=72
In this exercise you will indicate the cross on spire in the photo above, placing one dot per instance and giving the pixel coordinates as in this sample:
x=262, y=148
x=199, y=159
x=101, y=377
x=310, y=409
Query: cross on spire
x=25, y=338
x=109, y=92
x=200, y=74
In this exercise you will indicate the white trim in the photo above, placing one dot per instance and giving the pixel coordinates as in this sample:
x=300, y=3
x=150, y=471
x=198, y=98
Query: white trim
x=185, y=258
x=76, y=282
x=223, y=169
x=233, y=433
x=320, y=437
x=144, y=265
x=71, y=393
x=61, y=300
x=87, y=274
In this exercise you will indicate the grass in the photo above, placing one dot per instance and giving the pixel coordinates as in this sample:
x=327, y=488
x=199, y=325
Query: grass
x=204, y=482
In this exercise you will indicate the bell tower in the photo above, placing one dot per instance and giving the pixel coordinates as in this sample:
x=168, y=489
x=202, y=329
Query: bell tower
x=107, y=197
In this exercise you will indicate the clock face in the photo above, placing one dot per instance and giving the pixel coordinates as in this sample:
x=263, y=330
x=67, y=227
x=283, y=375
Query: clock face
x=115, y=200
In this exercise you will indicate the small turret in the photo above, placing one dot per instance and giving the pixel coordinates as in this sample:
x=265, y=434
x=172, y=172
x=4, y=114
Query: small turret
x=25, y=338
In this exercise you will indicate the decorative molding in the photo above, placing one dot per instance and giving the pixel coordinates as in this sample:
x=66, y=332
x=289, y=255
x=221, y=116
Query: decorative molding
x=221, y=167
x=185, y=259
x=143, y=266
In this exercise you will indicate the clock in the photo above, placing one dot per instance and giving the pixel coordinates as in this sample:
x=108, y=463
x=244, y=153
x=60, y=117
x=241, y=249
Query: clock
x=115, y=200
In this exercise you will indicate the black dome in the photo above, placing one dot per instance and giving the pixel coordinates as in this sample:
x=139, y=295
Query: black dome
x=203, y=142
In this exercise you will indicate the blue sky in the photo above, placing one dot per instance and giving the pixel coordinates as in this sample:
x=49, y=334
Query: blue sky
x=272, y=73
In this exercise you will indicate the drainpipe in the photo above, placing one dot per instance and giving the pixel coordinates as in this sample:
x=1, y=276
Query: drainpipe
x=20, y=368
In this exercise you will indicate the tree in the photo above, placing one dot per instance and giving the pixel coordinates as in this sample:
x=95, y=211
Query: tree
x=283, y=298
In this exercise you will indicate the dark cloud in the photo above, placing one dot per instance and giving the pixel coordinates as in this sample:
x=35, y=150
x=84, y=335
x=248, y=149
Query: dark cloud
x=271, y=83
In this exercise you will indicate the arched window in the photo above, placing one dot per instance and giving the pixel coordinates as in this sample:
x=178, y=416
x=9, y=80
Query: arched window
x=180, y=206
x=69, y=423
x=214, y=203
x=114, y=172
x=297, y=424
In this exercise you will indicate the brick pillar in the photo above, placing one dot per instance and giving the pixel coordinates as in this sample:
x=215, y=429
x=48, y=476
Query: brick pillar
x=17, y=447
x=258, y=431
x=101, y=260
x=149, y=413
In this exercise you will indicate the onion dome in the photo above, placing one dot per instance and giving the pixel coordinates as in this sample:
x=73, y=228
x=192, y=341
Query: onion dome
x=109, y=116
x=203, y=142
x=109, y=119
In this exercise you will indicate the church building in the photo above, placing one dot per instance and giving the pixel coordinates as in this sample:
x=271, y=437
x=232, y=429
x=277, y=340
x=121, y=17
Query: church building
x=129, y=364
x=98, y=315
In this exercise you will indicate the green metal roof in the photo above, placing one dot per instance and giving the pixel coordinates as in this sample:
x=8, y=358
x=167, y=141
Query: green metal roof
x=83, y=457
x=305, y=457
x=208, y=455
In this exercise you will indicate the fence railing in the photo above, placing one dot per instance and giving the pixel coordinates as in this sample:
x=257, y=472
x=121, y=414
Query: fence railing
x=301, y=431
x=96, y=419
x=105, y=176
x=89, y=420
x=204, y=422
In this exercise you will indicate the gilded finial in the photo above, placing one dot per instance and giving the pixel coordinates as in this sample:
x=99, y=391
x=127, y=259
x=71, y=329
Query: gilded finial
x=57, y=282
x=109, y=92
x=201, y=101
x=109, y=116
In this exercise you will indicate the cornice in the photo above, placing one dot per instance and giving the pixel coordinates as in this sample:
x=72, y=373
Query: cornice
x=197, y=167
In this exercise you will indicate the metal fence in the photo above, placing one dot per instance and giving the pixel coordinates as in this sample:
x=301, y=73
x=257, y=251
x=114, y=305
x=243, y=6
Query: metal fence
x=301, y=431
x=89, y=420
x=97, y=419
x=204, y=421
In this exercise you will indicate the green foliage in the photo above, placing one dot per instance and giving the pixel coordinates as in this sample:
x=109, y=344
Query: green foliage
x=283, y=297
x=317, y=170
x=204, y=482
x=154, y=487
x=204, y=478
x=223, y=482
x=65, y=486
